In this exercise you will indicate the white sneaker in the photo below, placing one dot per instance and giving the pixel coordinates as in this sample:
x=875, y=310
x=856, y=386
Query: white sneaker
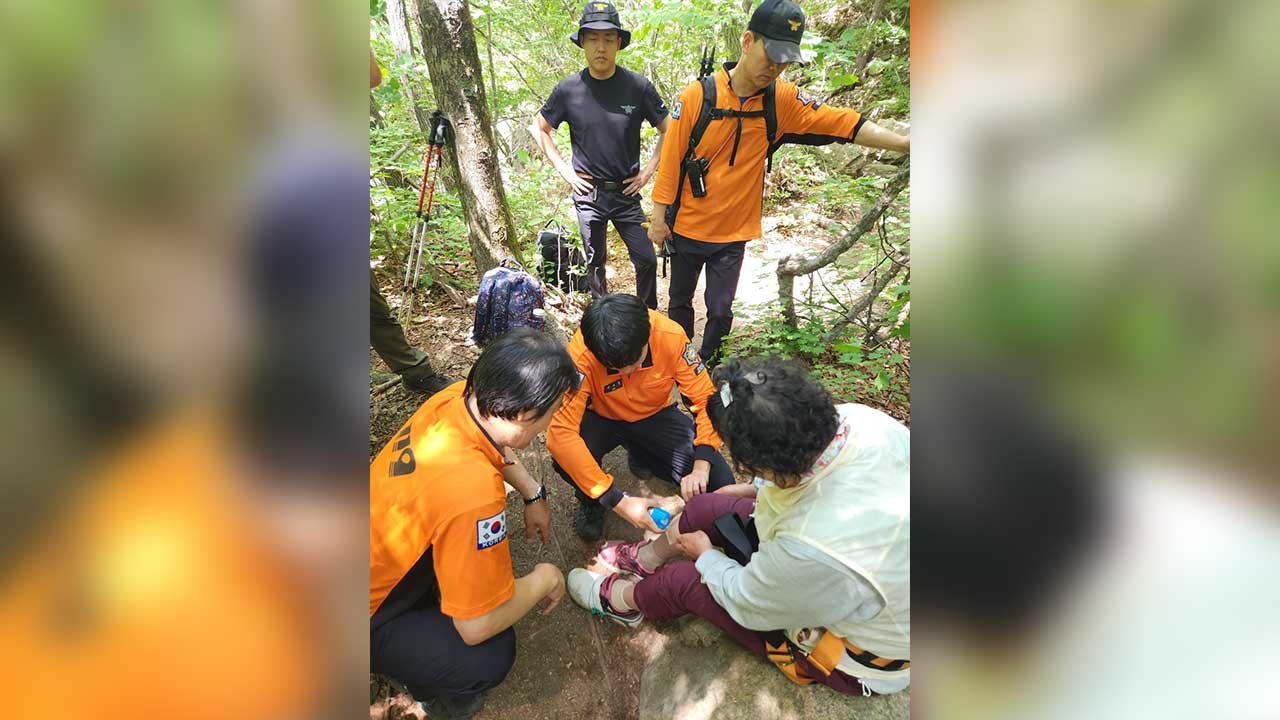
x=587, y=588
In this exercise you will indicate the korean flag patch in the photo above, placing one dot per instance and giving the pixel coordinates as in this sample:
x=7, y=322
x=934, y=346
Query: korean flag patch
x=491, y=530
x=675, y=111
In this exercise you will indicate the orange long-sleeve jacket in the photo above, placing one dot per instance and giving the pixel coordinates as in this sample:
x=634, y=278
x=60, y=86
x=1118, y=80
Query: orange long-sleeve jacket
x=672, y=361
x=736, y=148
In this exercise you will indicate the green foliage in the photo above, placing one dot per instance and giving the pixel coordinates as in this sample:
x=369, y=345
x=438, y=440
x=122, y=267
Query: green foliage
x=878, y=375
x=524, y=51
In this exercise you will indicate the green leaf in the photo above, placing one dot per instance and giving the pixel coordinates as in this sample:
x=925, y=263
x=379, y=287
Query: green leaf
x=839, y=80
x=881, y=381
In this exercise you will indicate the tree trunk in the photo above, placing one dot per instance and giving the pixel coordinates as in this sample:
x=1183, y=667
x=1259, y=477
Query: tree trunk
x=398, y=23
x=449, y=46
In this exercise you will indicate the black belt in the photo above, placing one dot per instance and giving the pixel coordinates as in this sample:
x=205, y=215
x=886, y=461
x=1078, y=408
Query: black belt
x=606, y=185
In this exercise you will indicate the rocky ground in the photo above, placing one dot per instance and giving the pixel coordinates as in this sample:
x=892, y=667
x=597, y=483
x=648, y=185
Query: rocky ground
x=569, y=664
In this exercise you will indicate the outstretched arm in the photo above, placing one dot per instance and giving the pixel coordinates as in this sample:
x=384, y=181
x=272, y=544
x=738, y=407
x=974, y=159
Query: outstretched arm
x=873, y=136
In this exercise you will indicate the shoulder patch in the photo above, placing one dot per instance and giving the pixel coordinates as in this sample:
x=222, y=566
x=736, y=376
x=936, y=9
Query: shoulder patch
x=806, y=100
x=690, y=355
x=491, y=530
x=675, y=111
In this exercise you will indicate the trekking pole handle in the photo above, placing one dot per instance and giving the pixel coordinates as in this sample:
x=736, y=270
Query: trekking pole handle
x=438, y=132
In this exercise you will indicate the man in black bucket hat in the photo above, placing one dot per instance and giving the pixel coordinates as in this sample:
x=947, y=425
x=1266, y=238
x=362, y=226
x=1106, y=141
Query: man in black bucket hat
x=605, y=105
x=601, y=16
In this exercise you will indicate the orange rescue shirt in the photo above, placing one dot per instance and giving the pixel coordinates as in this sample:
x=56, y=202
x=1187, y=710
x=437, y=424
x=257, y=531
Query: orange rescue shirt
x=672, y=361
x=732, y=207
x=438, y=485
x=156, y=593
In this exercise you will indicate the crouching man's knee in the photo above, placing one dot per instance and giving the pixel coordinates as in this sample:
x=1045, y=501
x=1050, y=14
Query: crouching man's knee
x=489, y=663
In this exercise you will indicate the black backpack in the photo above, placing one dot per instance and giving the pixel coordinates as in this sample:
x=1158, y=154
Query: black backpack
x=564, y=265
x=708, y=112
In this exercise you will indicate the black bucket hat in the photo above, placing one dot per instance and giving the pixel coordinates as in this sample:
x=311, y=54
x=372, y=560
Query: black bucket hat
x=601, y=16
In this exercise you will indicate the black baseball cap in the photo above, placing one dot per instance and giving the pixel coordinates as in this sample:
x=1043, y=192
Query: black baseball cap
x=601, y=16
x=781, y=23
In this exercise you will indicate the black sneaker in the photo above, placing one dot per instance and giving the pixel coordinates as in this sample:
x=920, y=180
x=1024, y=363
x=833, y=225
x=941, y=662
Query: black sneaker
x=637, y=468
x=429, y=382
x=453, y=707
x=588, y=521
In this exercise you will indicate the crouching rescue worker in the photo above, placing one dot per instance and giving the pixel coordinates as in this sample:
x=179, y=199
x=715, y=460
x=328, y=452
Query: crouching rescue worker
x=630, y=359
x=822, y=539
x=442, y=594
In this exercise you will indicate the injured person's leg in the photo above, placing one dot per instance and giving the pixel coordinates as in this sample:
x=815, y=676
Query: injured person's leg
x=612, y=596
x=642, y=558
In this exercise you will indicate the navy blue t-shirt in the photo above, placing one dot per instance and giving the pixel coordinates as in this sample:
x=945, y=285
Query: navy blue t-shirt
x=604, y=119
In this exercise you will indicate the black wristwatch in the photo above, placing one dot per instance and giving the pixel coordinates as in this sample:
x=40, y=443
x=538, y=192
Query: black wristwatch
x=540, y=495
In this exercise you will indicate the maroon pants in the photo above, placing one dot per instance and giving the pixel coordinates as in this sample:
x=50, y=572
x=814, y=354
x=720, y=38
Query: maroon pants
x=677, y=588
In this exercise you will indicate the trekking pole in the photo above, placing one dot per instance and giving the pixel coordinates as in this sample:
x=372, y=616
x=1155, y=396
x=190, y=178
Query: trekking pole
x=418, y=227
x=438, y=131
x=426, y=193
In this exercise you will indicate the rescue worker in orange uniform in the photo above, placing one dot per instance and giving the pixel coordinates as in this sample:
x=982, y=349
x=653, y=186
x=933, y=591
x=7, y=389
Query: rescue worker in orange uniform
x=714, y=220
x=442, y=594
x=631, y=358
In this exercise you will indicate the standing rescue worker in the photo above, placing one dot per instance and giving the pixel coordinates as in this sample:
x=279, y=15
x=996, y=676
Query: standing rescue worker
x=630, y=358
x=605, y=105
x=442, y=595
x=714, y=220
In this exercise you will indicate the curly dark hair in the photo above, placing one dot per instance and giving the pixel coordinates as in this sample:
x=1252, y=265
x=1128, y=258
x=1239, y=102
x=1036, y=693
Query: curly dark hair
x=778, y=419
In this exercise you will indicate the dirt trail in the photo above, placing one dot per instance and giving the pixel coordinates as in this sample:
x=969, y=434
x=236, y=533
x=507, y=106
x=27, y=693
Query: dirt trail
x=568, y=663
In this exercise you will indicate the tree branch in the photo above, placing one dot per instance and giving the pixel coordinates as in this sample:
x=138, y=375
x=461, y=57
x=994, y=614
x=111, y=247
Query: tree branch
x=792, y=265
x=865, y=302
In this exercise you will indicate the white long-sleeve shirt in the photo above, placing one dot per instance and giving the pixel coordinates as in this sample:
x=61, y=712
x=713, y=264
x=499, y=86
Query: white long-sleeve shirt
x=790, y=584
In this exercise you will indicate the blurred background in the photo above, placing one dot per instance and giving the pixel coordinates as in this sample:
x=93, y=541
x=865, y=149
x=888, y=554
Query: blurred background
x=1097, y=359
x=182, y=359
x=183, y=363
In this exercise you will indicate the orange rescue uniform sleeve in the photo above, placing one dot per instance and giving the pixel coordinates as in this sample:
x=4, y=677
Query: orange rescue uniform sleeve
x=683, y=115
x=801, y=115
x=472, y=558
x=564, y=440
x=695, y=383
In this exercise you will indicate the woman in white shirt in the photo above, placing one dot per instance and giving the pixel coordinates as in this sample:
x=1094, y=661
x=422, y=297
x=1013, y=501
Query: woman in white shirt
x=826, y=596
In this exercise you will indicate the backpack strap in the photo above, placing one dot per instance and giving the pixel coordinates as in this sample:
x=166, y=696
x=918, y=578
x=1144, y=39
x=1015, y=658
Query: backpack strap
x=706, y=113
x=771, y=123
